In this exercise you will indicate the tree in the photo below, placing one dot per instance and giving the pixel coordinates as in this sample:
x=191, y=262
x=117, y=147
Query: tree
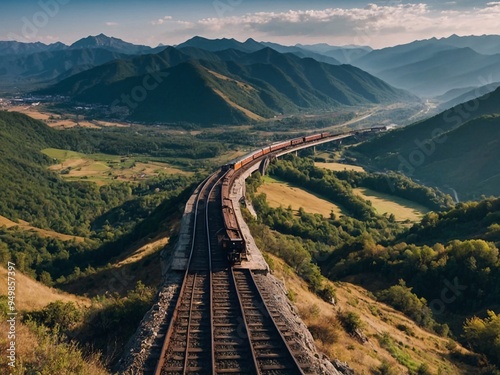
x=401, y=297
x=484, y=335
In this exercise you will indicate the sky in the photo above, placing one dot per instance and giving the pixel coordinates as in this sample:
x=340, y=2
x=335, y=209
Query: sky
x=151, y=22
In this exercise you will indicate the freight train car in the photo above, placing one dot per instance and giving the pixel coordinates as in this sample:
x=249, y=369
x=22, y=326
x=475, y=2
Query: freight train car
x=279, y=146
x=312, y=138
x=230, y=239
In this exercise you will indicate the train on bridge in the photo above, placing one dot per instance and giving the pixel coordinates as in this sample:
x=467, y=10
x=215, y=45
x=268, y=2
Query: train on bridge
x=230, y=238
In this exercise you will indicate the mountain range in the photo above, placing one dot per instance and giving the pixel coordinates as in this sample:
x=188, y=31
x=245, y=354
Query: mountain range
x=457, y=149
x=432, y=67
x=43, y=67
x=229, y=86
x=101, y=41
x=344, y=54
x=302, y=79
x=458, y=96
x=427, y=68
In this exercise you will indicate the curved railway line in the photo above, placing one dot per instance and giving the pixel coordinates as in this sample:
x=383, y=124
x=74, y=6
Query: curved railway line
x=224, y=320
x=221, y=324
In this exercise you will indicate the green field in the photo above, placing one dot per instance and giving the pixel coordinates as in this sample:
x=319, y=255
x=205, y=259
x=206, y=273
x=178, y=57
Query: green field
x=401, y=208
x=283, y=194
x=338, y=167
x=103, y=169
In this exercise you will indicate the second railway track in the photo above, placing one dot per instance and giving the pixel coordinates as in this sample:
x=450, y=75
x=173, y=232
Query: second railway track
x=221, y=324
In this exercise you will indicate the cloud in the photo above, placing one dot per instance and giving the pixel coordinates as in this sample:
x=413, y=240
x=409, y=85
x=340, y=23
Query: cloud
x=111, y=23
x=376, y=25
x=161, y=21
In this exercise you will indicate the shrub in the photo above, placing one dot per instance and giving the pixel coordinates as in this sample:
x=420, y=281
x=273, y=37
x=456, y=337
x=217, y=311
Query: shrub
x=328, y=294
x=56, y=315
x=350, y=321
x=404, y=328
x=386, y=368
x=325, y=330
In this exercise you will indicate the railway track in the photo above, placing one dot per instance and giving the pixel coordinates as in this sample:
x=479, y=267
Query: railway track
x=221, y=324
x=269, y=339
x=186, y=348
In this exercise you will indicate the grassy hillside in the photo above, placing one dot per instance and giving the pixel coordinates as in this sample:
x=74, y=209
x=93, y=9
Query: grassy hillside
x=102, y=215
x=393, y=340
x=32, y=193
x=281, y=194
x=35, y=295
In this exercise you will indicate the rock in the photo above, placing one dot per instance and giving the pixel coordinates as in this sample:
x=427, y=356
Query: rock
x=343, y=367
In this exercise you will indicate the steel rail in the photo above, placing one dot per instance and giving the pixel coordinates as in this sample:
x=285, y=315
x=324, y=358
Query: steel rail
x=175, y=314
x=247, y=327
x=275, y=325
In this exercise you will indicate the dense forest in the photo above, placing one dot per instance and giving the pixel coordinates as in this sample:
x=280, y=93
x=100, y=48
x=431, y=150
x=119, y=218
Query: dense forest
x=106, y=216
x=442, y=272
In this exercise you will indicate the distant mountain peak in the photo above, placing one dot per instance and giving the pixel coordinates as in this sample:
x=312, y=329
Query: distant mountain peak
x=214, y=45
x=114, y=44
x=97, y=40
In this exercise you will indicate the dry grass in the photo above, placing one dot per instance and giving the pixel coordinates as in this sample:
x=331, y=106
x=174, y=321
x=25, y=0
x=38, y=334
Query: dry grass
x=283, y=194
x=338, y=167
x=55, y=120
x=63, y=121
x=240, y=84
x=247, y=112
x=378, y=318
x=104, y=169
x=144, y=250
x=111, y=124
x=31, y=111
x=402, y=209
x=32, y=295
x=140, y=261
x=40, y=353
x=43, y=232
